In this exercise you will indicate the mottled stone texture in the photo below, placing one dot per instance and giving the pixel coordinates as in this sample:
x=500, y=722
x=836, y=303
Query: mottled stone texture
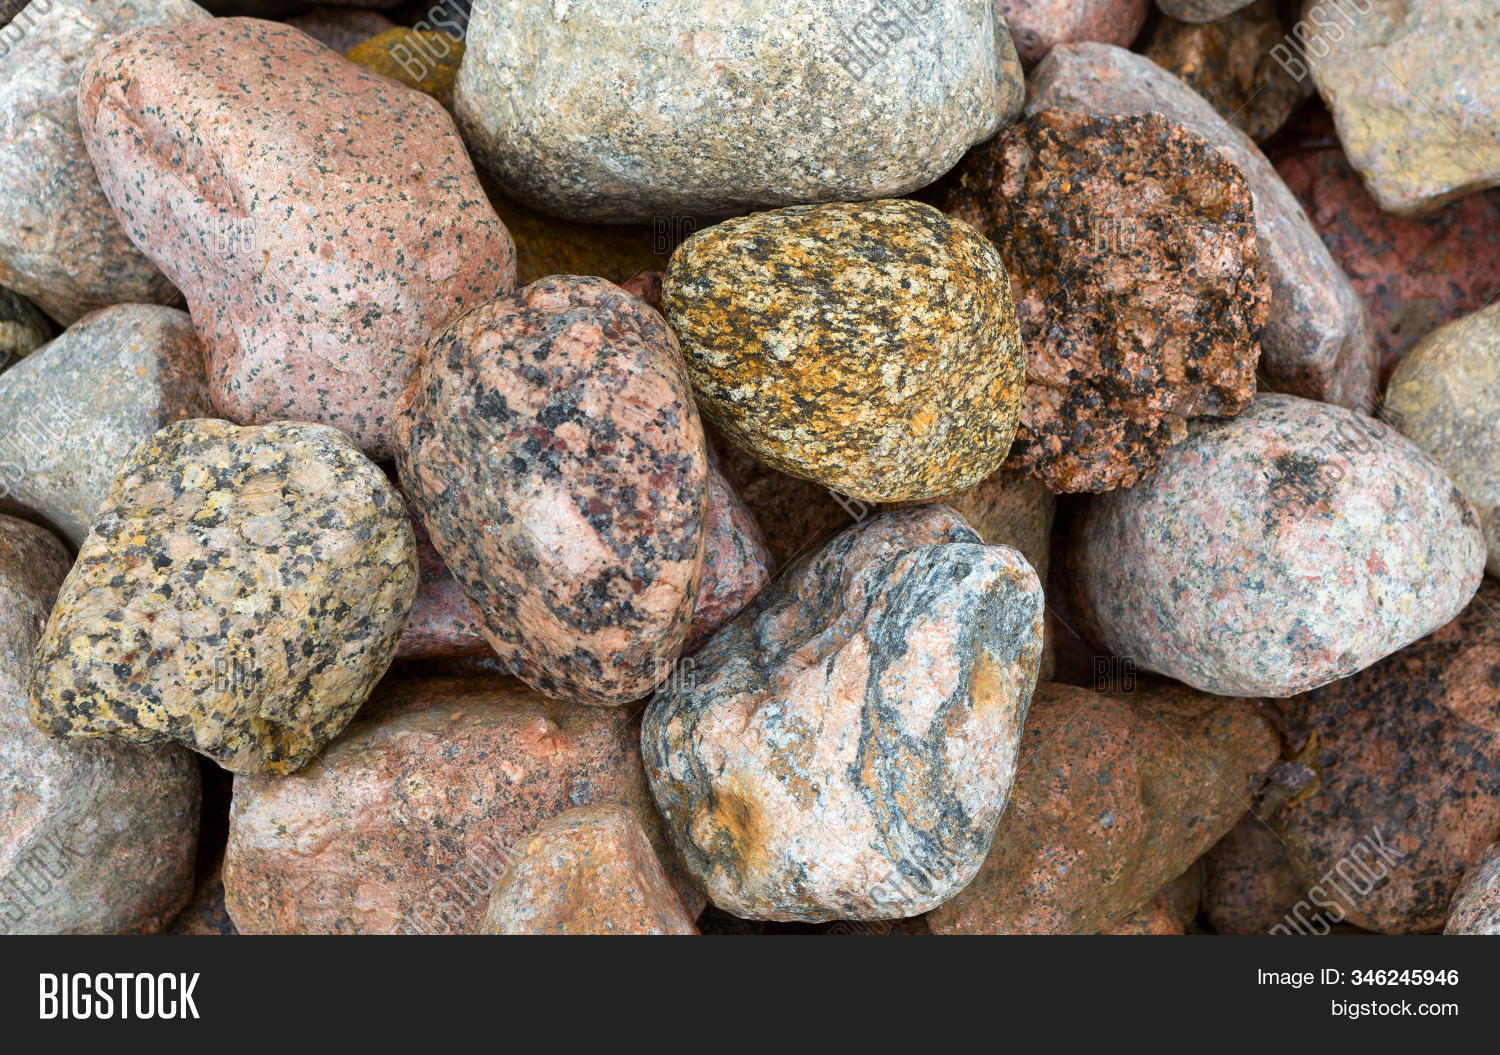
x=1415, y=274
x=321, y=221
x=60, y=242
x=441, y=624
x=341, y=28
x=589, y=871
x=1476, y=903
x=848, y=741
x=94, y=838
x=408, y=820
x=422, y=59
x=241, y=591
x=1408, y=753
x=1200, y=10
x=1248, y=884
x=551, y=444
x=1317, y=341
x=23, y=329
x=1293, y=545
x=1039, y=25
x=736, y=561
x=71, y=413
x=1138, y=285
x=1445, y=398
x=1231, y=62
x=1412, y=88
x=1116, y=795
x=1169, y=912
x=870, y=347
x=598, y=113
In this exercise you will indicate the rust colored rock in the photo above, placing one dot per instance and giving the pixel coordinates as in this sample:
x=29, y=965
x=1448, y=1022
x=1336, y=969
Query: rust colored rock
x=407, y=821
x=849, y=739
x=1116, y=794
x=426, y=60
x=322, y=222
x=589, y=871
x=1170, y=911
x=1248, y=885
x=1409, y=760
x=1231, y=62
x=1476, y=903
x=1414, y=274
x=1038, y=25
x=94, y=838
x=441, y=624
x=552, y=447
x=1138, y=284
x=340, y=28
x=1317, y=341
x=736, y=562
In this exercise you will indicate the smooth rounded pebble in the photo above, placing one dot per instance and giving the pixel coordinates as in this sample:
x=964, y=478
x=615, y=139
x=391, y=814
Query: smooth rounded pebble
x=870, y=347
x=321, y=221
x=844, y=747
x=1276, y=552
x=1040, y=25
x=240, y=592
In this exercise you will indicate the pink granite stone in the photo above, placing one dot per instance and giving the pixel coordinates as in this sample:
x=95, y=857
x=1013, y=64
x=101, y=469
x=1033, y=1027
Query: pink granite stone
x=736, y=560
x=441, y=624
x=1038, y=25
x=552, y=447
x=321, y=221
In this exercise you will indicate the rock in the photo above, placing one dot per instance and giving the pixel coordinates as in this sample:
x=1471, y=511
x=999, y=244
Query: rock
x=341, y=28
x=241, y=591
x=870, y=347
x=1476, y=903
x=1231, y=62
x=322, y=179
x=1445, y=398
x=849, y=739
x=78, y=407
x=23, y=329
x=1138, y=286
x=1200, y=10
x=1040, y=25
x=588, y=871
x=1414, y=274
x=1281, y=550
x=1317, y=341
x=1412, y=88
x=1408, y=753
x=1249, y=887
x=60, y=243
x=1173, y=908
x=422, y=59
x=94, y=838
x=1116, y=794
x=793, y=514
x=206, y=913
x=441, y=624
x=550, y=442
x=594, y=117
x=410, y=817
x=736, y=562
x=646, y=286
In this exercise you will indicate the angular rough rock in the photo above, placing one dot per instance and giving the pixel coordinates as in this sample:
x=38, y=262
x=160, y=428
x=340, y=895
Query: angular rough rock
x=1200, y=10
x=550, y=442
x=341, y=28
x=736, y=562
x=241, y=591
x=1414, y=274
x=74, y=410
x=850, y=737
x=870, y=347
x=410, y=817
x=94, y=838
x=1412, y=88
x=1317, y=341
x=1248, y=885
x=1138, y=285
x=441, y=624
x=1275, y=552
x=1116, y=794
x=588, y=871
x=1445, y=398
x=1409, y=760
x=1039, y=25
x=1476, y=903
x=321, y=223
x=23, y=329
x=1232, y=62
x=1170, y=911
x=422, y=59
x=61, y=244
x=591, y=116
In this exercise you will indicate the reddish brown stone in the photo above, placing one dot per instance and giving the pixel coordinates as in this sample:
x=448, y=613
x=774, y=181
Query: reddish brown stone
x=1116, y=794
x=590, y=871
x=1248, y=885
x=441, y=624
x=1476, y=903
x=408, y=819
x=1132, y=248
x=736, y=562
x=1036, y=25
x=1170, y=911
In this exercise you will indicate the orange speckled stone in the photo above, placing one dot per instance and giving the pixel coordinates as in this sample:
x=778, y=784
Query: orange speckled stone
x=870, y=347
x=589, y=871
x=1116, y=794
